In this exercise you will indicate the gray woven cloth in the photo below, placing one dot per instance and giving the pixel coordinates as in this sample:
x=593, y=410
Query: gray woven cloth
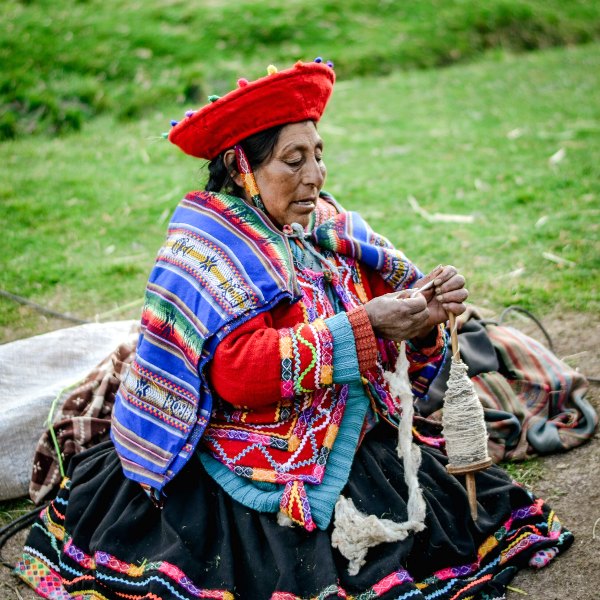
x=33, y=372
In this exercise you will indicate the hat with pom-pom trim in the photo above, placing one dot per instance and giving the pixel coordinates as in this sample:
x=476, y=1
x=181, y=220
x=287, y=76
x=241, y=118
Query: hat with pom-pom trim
x=289, y=96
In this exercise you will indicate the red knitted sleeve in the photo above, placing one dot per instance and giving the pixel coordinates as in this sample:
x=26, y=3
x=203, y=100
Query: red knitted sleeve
x=259, y=363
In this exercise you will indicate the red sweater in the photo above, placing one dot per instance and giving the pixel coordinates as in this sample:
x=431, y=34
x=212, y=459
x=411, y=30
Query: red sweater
x=246, y=368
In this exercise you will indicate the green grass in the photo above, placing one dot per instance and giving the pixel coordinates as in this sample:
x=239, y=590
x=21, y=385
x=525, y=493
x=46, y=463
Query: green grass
x=86, y=212
x=528, y=472
x=66, y=62
x=13, y=509
x=477, y=140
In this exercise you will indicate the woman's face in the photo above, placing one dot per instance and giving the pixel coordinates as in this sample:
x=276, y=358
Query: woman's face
x=291, y=179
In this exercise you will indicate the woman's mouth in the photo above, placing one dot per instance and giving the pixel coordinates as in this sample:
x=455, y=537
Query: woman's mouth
x=305, y=203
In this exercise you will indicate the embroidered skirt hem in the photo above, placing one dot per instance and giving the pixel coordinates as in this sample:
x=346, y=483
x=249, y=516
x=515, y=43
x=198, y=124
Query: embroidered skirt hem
x=102, y=538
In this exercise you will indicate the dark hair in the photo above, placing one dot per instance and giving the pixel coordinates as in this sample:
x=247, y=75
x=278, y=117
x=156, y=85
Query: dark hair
x=258, y=148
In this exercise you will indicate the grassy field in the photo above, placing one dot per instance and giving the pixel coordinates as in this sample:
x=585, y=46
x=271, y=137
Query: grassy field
x=68, y=61
x=513, y=141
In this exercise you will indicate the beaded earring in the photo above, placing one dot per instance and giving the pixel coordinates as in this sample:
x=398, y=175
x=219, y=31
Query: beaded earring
x=245, y=170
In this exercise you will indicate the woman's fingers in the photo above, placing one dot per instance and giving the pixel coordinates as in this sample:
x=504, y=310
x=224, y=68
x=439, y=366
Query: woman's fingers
x=446, y=273
x=451, y=291
x=454, y=308
x=414, y=305
x=404, y=314
x=407, y=308
x=429, y=277
x=410, y=303
x=456, y=295
x=396, y=316
x=447, y=277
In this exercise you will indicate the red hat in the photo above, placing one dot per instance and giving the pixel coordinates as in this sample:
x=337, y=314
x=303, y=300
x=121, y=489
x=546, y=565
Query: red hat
x=297, y=94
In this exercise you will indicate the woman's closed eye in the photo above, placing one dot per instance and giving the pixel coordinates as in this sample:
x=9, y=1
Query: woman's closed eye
x=293, y=162
x=297, y=161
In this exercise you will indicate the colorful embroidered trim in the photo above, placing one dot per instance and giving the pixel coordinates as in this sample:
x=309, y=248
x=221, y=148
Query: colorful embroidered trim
x=294, y=503
x=293, y=448
x=528, y=529
x=306, y=358
x=366, y=344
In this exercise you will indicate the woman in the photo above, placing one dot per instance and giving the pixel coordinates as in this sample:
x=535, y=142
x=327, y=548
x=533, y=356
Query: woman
x=257, y=406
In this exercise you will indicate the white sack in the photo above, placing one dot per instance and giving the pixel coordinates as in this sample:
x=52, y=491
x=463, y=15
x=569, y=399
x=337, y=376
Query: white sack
x=32, y=372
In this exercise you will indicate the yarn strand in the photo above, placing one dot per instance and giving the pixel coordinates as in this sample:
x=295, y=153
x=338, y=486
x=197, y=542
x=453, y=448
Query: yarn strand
x=355, y=532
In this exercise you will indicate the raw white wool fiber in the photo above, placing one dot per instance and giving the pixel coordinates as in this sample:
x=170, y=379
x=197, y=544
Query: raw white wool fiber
x=355, y=532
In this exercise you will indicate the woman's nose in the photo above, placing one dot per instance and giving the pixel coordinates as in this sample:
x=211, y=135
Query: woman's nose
x=315, y=172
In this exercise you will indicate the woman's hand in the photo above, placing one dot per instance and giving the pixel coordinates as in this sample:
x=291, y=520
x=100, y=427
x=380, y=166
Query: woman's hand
x=447, y=295
x=413, y=314
x=397, y=316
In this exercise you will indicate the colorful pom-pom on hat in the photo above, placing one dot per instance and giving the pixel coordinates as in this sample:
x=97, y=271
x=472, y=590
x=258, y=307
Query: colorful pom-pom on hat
x=289, y=96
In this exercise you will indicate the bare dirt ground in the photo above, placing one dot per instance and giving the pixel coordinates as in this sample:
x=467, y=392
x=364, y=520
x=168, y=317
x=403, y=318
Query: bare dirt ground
x=570, y=483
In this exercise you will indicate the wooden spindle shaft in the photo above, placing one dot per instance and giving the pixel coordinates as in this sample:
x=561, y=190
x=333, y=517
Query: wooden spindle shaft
x=453, y=334
x=472, y=494
x=469, y=472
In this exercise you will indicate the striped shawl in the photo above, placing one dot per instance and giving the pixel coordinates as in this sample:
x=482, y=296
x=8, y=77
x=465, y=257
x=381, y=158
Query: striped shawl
x=223, y=262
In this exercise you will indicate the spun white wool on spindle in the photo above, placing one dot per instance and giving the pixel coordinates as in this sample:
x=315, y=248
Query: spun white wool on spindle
x=463, y=420
x=355, y=532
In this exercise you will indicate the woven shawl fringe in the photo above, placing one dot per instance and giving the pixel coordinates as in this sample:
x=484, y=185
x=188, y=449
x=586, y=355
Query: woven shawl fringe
x=355, y=532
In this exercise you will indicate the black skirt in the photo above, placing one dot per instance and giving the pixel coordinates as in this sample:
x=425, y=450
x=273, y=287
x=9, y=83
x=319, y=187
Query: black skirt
x=103, y=538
